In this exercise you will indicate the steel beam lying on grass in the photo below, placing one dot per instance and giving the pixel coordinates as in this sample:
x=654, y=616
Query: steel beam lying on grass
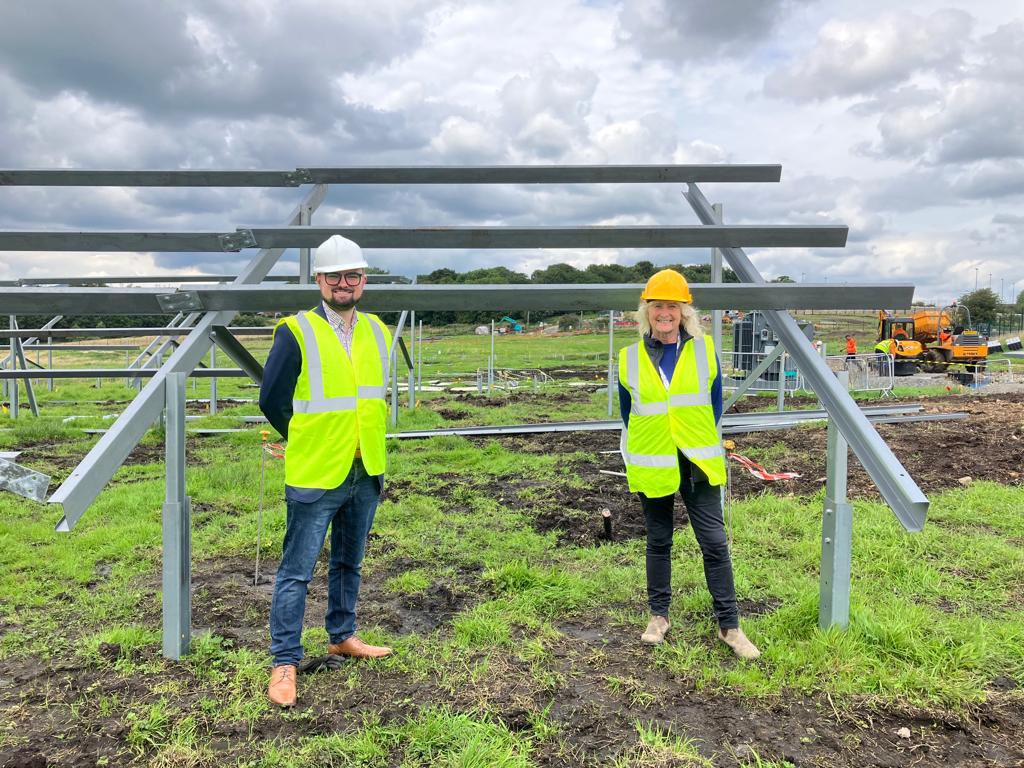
x=86, y=480
x=898, y=489
x=503, y=174
x=395, y=298
x=678, y=236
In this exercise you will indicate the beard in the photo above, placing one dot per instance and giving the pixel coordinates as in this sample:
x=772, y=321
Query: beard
x=341, y=306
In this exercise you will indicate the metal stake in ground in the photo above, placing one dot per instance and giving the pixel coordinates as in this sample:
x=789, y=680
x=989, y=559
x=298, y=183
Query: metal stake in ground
x=836, y=531
x=177, y=526
x=264, y=433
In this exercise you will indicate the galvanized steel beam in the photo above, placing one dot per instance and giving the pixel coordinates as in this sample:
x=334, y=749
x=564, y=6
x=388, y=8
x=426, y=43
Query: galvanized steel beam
x=501, y=174
x=680, y=236
x=898, y=489
x=395, y=298
x=677, y=236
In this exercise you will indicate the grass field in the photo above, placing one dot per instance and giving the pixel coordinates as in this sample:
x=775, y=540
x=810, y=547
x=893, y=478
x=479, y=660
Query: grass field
x=516, y=635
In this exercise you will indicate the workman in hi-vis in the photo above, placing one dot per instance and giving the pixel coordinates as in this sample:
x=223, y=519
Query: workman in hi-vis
x=670, y=395
x=324, y=388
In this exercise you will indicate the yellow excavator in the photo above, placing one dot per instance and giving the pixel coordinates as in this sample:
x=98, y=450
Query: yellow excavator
x=933, y=339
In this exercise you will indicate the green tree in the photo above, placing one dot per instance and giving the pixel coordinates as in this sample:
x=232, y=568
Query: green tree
x=983, y=304
x=1020, y=301
x=783, y=279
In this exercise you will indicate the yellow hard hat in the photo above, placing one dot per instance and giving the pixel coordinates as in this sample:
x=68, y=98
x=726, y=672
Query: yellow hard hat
x=667, y=285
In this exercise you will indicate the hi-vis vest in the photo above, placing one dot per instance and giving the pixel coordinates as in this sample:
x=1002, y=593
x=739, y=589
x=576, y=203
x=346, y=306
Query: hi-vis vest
x=337, y=402
x=885, y=346
x=661, y=421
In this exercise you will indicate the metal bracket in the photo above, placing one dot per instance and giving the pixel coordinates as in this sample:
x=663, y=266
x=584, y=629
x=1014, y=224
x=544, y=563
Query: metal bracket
x=180, y=301
x=23, y=481
x=298, y=177
x=237, y=240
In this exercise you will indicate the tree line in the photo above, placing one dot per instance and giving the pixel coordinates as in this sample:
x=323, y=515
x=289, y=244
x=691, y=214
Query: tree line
x=554, y=274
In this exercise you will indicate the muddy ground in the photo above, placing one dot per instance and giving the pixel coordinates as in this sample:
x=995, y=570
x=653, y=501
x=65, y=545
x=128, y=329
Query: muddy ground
x=51, y=705
x=988, y=445
x=596, y=721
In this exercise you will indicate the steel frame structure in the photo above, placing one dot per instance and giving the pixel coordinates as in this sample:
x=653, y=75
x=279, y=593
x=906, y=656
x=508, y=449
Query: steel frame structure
x=165, y=390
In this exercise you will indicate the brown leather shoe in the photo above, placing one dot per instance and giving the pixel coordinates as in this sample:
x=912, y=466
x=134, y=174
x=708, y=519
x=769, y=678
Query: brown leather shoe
x=282, y=686
x=357, y=649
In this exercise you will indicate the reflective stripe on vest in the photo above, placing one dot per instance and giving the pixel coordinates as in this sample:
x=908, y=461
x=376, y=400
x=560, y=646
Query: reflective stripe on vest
x=317, y=403
x=655, y=460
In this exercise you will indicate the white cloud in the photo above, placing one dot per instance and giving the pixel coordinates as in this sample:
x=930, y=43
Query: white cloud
x=853, y=58
x=905, y=125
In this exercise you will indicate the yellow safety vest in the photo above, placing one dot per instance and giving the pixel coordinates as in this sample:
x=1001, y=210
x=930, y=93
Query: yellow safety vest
x=664, y=420
x=338, y=402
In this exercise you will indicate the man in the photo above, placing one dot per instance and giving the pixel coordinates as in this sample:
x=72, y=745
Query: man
x=851, y=347
x=324, y=390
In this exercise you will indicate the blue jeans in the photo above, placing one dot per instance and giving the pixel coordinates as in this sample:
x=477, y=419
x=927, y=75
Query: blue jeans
x=349, y=511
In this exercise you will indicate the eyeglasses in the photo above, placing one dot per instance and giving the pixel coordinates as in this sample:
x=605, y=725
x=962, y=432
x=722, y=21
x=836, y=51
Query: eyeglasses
x=351, y=278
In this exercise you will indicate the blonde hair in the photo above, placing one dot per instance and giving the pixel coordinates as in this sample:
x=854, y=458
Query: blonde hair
x=689, y=321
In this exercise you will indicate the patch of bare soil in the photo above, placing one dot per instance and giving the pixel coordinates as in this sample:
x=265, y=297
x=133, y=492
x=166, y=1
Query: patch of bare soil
x=986, y=446
x=574, y=395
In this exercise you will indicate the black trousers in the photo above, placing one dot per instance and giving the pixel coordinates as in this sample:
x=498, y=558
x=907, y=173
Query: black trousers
x=704, y=505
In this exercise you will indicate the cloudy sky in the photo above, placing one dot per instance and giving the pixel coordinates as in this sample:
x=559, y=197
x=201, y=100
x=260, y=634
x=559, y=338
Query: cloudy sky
x=904, y=121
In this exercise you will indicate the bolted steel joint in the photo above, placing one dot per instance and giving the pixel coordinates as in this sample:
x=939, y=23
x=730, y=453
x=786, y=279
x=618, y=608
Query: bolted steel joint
x=180, y=301
x=298, y=177
x=236, y=241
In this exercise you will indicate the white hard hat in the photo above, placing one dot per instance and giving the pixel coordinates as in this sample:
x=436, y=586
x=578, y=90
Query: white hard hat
x=338, y=253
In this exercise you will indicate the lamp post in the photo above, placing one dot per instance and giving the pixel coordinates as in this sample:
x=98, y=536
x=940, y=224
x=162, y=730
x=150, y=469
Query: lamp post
x=975, y=278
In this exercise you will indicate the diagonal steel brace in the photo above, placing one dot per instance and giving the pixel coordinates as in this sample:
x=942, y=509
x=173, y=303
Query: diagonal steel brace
x=94, y=471
x=898, y=489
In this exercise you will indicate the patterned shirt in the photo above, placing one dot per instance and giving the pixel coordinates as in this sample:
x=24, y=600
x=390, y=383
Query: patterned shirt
x=344, y=331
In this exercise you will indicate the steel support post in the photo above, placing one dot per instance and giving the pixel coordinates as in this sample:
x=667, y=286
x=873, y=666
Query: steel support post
x=780, y=396
x=213, y=381
x=419, y=362
x=177, y=526
x=898, y=489
x=86, y=481
x=305, y=261
x=611, y=360
x=412, y=365
x=394, y=385
x=490, y=363
x=836, y=532
x=12, y=390
x=716, y=277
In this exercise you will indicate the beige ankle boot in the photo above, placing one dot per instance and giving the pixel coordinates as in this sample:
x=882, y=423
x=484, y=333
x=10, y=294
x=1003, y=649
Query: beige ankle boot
x=656, y=630
x=739, y=643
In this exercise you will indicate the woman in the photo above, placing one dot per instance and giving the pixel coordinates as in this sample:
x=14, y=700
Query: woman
x=670, y=394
